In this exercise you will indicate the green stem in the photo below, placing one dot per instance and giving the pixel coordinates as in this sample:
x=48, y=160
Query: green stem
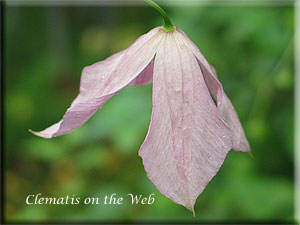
x=168, y=24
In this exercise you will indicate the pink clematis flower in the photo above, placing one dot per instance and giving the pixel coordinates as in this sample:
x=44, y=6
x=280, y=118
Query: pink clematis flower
x=189, y=135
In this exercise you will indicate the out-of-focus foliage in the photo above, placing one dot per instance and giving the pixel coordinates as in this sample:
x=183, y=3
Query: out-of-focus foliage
x=45, y=51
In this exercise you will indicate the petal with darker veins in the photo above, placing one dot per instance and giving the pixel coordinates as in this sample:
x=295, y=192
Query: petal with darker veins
x=187, y=141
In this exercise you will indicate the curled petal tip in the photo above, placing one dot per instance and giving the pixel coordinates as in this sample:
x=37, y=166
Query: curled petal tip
x=31, y=131
x=39, y=134
x=250, y=153
x=193, y=211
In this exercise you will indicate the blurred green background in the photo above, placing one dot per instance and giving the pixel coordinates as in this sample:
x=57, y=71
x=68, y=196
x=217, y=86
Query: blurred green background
x=46, y=47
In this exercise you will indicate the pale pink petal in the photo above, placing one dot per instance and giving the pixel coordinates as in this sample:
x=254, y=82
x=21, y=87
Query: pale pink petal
x=145, y=77
x=187, y=141
x=104, y=79
x=230, y=116
x=225, y=107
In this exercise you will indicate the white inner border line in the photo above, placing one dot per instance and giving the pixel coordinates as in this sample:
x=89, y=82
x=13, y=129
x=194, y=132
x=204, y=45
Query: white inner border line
x=297, y=111
x=295, y=3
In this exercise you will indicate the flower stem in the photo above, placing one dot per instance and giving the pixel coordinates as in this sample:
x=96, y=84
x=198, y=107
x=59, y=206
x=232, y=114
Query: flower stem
x=168, y=24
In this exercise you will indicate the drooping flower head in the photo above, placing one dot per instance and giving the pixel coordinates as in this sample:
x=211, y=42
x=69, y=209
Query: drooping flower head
x=189, y=134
